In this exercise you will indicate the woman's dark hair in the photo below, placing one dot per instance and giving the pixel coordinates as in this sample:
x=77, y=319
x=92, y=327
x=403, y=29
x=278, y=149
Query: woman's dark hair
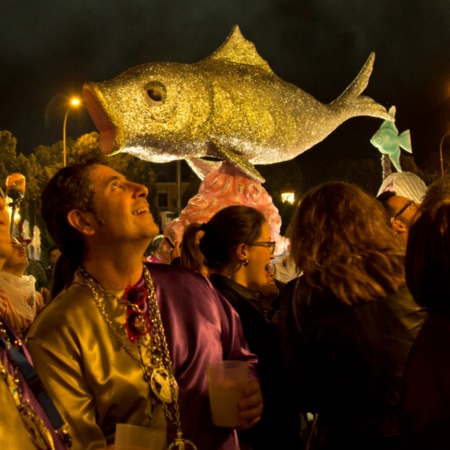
x=341, y=242
x=191, y=257
x=428, y=254
x=227, y=229
x=70, y=188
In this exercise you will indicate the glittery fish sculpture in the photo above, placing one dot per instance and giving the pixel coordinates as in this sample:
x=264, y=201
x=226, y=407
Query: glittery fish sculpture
x=229, y=106
x=388, y=141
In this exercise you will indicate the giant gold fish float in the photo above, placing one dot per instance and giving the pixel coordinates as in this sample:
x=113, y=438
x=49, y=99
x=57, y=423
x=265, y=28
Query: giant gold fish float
x=229, y=106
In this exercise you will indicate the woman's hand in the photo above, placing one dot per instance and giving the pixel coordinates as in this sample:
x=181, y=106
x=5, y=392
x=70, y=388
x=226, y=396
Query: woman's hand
x=251, y=406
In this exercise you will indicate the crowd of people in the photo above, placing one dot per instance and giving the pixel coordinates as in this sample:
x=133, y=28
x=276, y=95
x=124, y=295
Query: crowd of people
x=346, y=344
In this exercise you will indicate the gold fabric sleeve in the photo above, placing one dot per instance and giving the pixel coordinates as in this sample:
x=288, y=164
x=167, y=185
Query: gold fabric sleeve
x=95, y=383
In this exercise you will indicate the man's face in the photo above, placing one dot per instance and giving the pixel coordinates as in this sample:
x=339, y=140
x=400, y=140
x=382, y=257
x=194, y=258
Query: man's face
x=121, y=207
x=404, y=209
x=5, y=241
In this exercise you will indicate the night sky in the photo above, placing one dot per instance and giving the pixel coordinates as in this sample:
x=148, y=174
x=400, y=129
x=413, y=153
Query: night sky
x=50, y=48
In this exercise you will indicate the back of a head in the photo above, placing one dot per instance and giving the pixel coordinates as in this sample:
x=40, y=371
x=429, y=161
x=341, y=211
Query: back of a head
x=70, y=188
x=428, y=254
x=227, y=229
x=191, y=257
x=339, y=233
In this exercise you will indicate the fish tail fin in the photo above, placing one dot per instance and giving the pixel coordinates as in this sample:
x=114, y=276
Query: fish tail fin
x=404, y=140
x=358, y=105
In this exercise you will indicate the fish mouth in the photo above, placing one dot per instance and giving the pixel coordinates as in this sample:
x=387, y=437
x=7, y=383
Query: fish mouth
x=93, y=99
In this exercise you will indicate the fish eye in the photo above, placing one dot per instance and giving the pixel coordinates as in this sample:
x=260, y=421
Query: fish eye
x=156, y=94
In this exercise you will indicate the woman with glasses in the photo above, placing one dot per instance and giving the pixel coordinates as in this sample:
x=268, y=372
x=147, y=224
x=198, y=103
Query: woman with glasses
x=238, y=248
x=348, y=322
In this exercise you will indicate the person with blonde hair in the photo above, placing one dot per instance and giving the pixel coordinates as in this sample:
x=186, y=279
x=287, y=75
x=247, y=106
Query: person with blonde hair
x=348, y=322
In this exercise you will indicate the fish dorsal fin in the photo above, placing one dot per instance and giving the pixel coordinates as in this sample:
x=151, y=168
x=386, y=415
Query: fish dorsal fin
x=239, y=50
x=388, y=124
x=392, y=110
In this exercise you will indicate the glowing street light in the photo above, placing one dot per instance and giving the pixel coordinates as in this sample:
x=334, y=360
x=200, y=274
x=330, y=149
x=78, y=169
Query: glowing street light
x=288, y=197
x=74, y=103
x=15, y=190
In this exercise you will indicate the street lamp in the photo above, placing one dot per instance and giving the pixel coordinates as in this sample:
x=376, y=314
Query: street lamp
x=288, y=197
x=74, y=102
x=15, y=190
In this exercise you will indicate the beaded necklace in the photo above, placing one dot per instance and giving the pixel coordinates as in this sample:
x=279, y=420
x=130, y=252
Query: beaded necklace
x=36, y=428
x=153, y=355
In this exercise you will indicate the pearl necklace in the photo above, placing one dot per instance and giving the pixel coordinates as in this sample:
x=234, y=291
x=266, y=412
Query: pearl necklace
x=153, y=352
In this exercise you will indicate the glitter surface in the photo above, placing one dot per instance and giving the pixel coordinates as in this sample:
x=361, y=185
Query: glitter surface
x=229, y=105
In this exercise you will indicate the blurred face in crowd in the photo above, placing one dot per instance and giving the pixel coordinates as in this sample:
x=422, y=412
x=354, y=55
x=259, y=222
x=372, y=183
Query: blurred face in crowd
x=17, y=261
x=5, y=241
x=54, y=255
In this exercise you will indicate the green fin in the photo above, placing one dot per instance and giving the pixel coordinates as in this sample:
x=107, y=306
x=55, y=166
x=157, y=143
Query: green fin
x=404, y=141
x=392, y=110
x=239, y=50
x=395, y=159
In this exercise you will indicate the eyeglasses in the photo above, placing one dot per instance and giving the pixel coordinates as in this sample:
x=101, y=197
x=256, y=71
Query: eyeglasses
x=410, y=203
x=270, y=245
x=137, y=323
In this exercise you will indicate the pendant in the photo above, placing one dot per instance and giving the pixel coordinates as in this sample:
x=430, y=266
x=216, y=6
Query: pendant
x=180, y=443
x=38, y=432
x=163, y=385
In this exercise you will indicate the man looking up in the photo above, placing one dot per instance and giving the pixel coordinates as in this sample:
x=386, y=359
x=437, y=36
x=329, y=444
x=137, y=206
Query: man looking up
x=128, y=342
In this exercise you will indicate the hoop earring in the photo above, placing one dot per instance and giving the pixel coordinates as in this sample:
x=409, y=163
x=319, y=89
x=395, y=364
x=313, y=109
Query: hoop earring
x=245, y=262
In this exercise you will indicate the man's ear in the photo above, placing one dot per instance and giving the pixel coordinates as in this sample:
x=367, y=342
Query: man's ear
x=82, y=221
x=399, y=226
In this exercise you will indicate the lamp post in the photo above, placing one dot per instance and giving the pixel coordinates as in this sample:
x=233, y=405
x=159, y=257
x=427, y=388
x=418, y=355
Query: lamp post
x=74, y=102
x=15, y=190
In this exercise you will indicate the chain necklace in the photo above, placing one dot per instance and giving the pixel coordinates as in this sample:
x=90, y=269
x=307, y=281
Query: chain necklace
x=36, y=428
x=153, y=354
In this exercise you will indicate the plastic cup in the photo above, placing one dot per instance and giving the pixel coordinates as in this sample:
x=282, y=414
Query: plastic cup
x=226, y=382
x=133, y=437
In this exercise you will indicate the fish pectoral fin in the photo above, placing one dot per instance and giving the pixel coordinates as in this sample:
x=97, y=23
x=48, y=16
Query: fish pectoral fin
x=404, y=140
x=202, y=167
x=392, y=110
x=236, y=160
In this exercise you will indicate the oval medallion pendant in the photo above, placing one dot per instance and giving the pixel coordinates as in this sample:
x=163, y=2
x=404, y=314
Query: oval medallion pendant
x=163, y=385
